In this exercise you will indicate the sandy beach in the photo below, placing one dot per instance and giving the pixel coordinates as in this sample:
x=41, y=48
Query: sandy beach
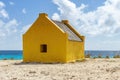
x=90, y=69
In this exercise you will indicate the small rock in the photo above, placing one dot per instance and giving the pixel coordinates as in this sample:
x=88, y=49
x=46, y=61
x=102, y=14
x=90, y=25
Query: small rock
x=31, y=72
x=107, y=70
x=14, y=79
x=98, y=66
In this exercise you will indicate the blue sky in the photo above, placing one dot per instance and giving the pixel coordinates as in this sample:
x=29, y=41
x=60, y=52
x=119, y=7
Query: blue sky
x=98, y=20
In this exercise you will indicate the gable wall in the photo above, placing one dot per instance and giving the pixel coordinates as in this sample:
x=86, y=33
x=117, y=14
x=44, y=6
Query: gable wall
x=43, y=31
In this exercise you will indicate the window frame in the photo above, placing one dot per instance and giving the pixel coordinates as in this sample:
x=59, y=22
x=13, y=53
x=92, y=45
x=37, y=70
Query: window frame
x=43, y=48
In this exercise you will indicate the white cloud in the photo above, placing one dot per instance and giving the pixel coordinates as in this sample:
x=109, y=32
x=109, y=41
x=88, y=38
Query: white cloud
x=2, y=4
x=11, y=3
x=24, y=11
x=3, y=12
x=7, y=27
x=56, y=16
x=104, y=20
x=11, y=26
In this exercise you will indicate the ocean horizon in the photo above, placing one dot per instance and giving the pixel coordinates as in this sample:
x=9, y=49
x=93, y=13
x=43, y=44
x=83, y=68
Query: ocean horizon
x=18, y=54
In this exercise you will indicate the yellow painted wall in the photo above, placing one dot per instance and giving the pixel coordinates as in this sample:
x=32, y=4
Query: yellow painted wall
x=43, y=31
x=75, y=51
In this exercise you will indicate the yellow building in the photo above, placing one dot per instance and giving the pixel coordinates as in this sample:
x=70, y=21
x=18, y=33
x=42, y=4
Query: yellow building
x=52, y=41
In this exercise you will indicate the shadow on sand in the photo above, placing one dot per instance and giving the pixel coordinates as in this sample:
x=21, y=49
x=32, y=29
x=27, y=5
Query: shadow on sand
x=35, y=63
x=52, y=63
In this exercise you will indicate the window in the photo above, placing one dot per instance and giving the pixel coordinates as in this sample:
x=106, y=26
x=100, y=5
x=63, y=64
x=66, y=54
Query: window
x=43, y=48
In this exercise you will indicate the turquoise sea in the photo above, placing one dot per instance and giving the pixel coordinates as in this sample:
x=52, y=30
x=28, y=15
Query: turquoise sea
x=17, y=54
x=11, y=54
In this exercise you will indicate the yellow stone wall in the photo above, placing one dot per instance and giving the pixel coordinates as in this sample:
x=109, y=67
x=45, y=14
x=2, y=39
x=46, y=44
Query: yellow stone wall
x=43, y=31
x=75, y=51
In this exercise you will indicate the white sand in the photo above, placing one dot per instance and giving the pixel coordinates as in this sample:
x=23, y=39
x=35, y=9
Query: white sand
x=92, y=69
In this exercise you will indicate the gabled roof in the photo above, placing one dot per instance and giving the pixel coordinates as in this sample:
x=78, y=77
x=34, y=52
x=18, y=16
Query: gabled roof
x=65, y=28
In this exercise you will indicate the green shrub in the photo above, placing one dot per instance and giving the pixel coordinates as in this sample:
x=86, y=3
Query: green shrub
x=117, y=56
x=99, y=56
x=94, y=57
x=87, y=56
x=12, y=58
x=107, y=57
x=5, y=59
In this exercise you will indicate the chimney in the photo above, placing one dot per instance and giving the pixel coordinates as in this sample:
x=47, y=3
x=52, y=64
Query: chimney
x=65, y=21
x=43, y=14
